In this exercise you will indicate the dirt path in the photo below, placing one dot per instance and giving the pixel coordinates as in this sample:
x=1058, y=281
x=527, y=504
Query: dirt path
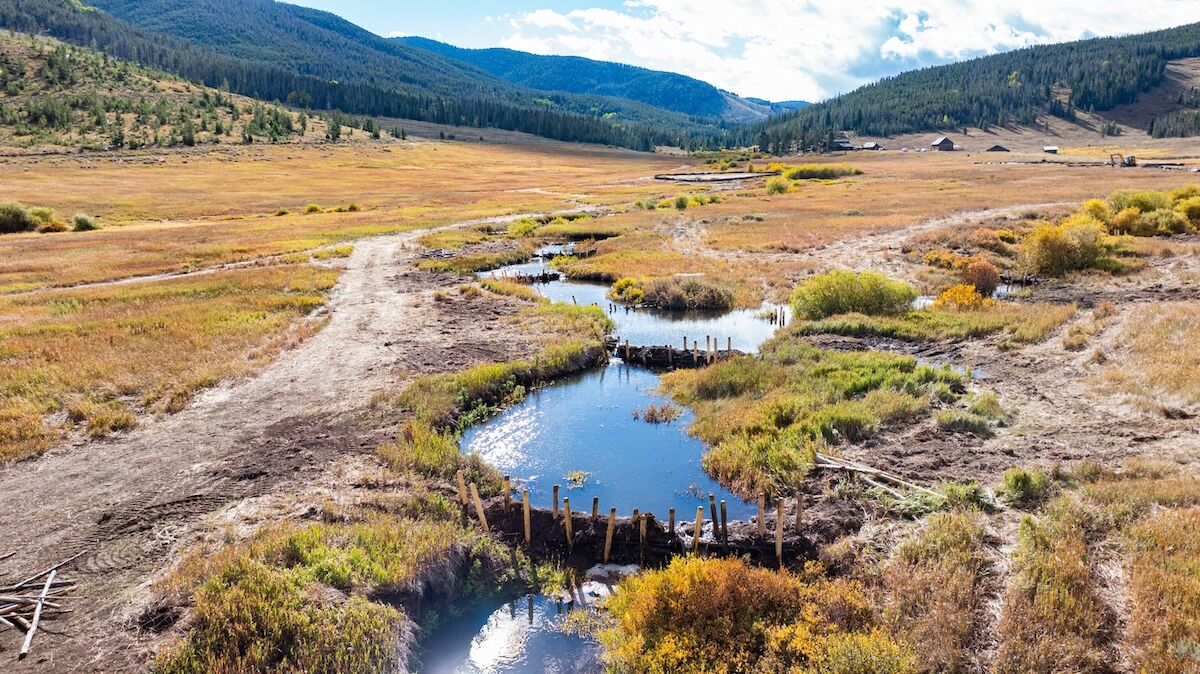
x=129, y=502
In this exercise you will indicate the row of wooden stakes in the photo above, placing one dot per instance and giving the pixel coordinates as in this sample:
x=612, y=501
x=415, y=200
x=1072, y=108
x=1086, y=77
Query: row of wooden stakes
x=468, y=495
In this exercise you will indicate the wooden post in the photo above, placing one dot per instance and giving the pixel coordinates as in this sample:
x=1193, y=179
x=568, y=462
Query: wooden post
x=699, y=526
x=799, y=512
x=567, y=521
x=685, y=342
x=528, y=527
x=671, y=520
x=462, y=488
x=595, y=507
x=555, y=501
x=627, y=351
x=762, y=514
x=707, y=349
x=724, y=525
x=729, y=347
x=712, y=509
x=670, y=356
x=779, y=532
x=612, y=526
x=573, y=301
x=636, y=514
x=479, y=507
x=507, y=491
x=642, y=539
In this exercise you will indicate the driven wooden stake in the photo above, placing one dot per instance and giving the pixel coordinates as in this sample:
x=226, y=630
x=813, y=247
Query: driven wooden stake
x=671, y=526
x=595, y=507
x=799, y=513
x=712, y=509
x=507, y=491
x=528, y=528
x=462, y=488
x=555, y=501
x=479, y=507
x=699, y=526
x=724, y=525
x=762, y=514
x=612, y=526
x=567, y=521
x=779, y=532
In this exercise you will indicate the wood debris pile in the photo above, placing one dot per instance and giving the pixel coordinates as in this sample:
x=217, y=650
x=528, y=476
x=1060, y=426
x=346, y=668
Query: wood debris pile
x=24, y=605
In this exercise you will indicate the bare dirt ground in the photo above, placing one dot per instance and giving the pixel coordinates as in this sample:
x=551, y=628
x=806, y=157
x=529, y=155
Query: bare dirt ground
x=132, y=503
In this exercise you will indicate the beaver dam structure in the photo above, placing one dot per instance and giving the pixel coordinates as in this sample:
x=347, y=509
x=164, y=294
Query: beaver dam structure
x=671, y=358
x=584, y=537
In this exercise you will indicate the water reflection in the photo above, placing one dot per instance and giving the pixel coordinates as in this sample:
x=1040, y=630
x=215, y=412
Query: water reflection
x=522, y=636
x=586, y=424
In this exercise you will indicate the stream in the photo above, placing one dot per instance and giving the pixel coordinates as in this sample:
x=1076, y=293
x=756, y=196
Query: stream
x=584, y=427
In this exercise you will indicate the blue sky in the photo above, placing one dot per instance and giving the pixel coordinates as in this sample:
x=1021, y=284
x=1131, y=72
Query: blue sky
x=775, y=49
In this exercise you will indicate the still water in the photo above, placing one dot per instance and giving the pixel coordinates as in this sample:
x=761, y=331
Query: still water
x=586, y=424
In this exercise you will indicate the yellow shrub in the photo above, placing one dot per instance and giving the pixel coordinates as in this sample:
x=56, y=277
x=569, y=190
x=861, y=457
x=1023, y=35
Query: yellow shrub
x=1190, y=209
x=1098, y=209
x=1124, y=220
x=962, y=297
x=945, y=259
x=627, y=290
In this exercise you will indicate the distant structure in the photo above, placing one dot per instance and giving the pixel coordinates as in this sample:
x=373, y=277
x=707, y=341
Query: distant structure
x=997, y=148
x=844, y=145
x=872, y=146
x=943, y=144
x=1050, y=149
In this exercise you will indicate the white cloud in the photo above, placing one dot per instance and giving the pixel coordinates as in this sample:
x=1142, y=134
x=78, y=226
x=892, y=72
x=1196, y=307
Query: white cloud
x=788, y=49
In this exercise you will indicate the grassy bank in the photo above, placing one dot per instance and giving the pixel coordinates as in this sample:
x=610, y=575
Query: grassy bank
x=329, y=597
x=765, y=416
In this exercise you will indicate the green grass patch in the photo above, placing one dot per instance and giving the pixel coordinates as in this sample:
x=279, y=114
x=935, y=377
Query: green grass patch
x=843, y=292
x=1015, y=323
x=471, y=263
x=765, y=416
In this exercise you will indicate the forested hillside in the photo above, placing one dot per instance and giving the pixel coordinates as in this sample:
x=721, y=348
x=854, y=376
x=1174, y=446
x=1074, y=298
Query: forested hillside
x=1001, y=90
x=338, y=68
x=53, y=94
x=574, y=74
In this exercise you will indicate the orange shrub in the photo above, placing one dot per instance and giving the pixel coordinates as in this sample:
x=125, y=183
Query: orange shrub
x=983, y=275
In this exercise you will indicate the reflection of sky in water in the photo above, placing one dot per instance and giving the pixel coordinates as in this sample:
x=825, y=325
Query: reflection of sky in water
x=520, y=637
x=586, y=423
x=654, y=327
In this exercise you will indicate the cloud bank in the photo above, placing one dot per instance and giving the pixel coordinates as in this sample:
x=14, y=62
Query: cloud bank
x=805, y=49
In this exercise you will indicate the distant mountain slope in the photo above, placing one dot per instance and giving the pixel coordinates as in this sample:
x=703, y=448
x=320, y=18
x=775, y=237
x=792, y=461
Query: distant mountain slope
x=53, y=95
x=274, y=51
x=1013, y=88
x=576, y=74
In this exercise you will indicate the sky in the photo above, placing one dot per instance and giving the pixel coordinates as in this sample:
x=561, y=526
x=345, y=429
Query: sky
x=773, y=49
